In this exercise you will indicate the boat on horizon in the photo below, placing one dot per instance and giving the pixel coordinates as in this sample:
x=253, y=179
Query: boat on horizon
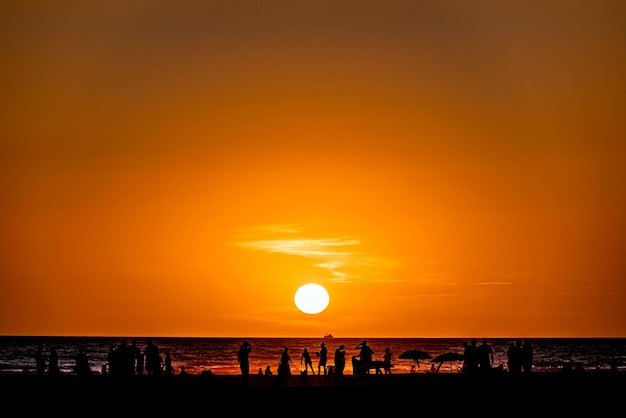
x=329, y=335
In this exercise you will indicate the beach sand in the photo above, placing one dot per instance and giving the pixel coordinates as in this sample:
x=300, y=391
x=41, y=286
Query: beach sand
x=535, y=394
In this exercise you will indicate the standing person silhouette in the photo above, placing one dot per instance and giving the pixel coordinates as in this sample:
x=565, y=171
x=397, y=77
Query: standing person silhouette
x=470, y=357
x=82, y=367
x=387, y=360
x=243, y=358
x=40, y=361
x=134, y=352
x=513, y=361
x=306, y=358
x=140, y=362
x=167, y=364
x=323, y=354
x=520, y=355
x=126, y=359
x=153, y=359
x=340, y=360
x=527, y=357
x=485, y=357
x=284, y=367
x=366, y=355
x=53, y=363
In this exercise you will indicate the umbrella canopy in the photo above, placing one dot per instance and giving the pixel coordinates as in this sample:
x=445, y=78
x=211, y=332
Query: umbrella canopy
x=449, y=356
x=415, y=355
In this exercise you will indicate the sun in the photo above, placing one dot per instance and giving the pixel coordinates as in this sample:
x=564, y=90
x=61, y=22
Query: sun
x=311, y=298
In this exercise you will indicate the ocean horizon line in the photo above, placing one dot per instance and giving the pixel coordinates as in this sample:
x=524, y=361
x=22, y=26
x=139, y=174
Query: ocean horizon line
x=334, y=337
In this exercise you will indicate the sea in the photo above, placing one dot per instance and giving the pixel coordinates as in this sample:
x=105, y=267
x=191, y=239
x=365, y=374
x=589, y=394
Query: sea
x=219, y=355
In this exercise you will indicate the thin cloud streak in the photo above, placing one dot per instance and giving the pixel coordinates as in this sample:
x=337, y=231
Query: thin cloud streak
x=326, y=253
x=492, y=283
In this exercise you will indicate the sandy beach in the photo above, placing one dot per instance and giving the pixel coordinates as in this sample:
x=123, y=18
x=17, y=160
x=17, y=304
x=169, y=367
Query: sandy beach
x=319, y=395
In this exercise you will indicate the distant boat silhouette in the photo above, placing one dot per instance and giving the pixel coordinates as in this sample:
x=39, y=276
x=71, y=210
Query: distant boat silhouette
x=328, y=335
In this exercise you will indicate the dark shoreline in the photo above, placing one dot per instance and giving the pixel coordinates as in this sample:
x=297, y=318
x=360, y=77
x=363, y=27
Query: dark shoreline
x=316, y=395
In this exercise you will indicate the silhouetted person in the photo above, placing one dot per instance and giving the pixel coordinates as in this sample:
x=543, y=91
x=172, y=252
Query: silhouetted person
x=82, y=368
x=135, y=353
x=183, y=375
x=112, y=361
x=568, y=367
x=284, y=367
x=366, y=355
x=510, y=357
x=120, y=361
x=243, y=358
x=40, y=361
x=323, y=355
x=470, y=357
x=53, y=363
x=125, y=358
x=140, y=362
x=268, y=371
x=387, y=361
x=167, y=364
x=485, y=356
x=153, y=359
x=340, y=360
x=513, y=359
x=527, y=356
x=465, y=368
x=519, y=352
x=308, y=363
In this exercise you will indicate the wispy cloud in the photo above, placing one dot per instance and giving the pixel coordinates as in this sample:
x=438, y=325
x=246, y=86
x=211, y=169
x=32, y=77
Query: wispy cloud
x=492, y=283
x=504, y=279
x=338, y=255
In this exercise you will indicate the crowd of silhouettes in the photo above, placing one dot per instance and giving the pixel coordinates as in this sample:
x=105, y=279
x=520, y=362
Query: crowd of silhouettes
x=49, y=365
x=127, y=359
x=124, y=360
x=519, y=357
x=479, y=359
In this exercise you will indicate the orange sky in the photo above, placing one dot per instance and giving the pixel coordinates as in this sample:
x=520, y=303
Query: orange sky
x=443, y=168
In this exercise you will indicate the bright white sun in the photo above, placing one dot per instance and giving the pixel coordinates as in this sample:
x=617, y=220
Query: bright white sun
x=311, y=298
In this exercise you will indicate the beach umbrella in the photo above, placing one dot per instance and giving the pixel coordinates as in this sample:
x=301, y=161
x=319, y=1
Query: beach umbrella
x=415, y=355
x=449, y=356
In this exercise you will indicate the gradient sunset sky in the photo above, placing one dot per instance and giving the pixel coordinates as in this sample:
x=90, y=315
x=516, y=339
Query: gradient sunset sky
x=442, y=168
